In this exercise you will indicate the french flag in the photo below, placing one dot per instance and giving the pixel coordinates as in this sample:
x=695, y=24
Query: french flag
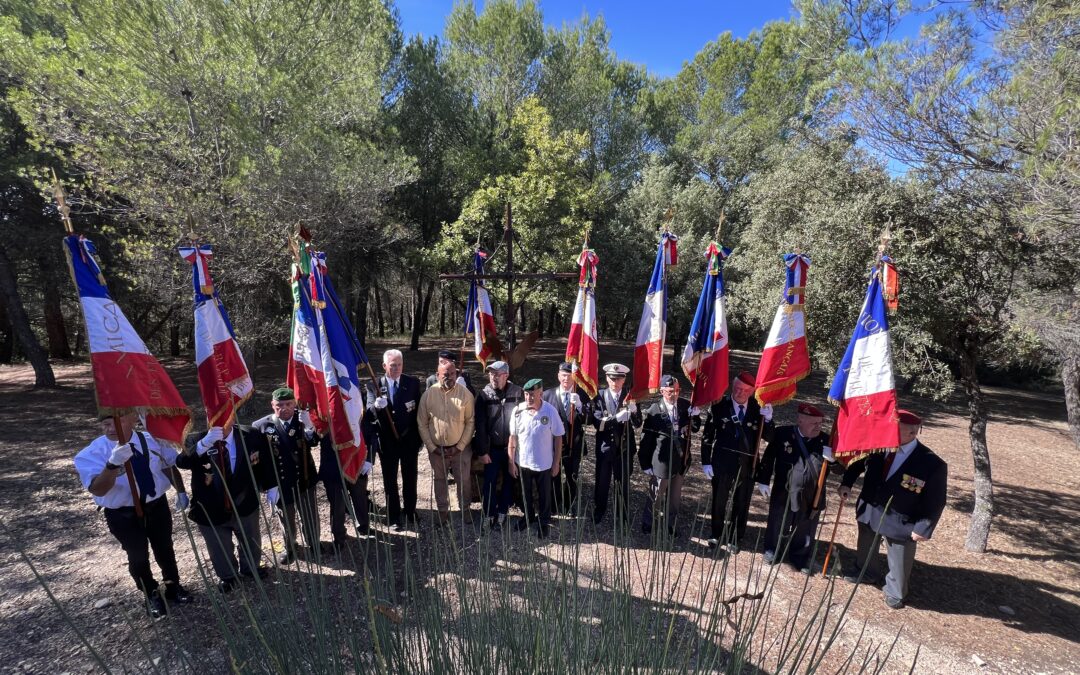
x=224, y=381
x=304, y=374
x=479, y=319
x=649, y=349
x=864, y=388
x=786, y=359
x=705, y=358
x=581, y=347
x=126, y=376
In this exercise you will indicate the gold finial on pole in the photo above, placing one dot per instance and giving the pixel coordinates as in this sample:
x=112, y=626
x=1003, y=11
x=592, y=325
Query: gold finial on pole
x=61, y=203
x=719, y=226
x=668, y=216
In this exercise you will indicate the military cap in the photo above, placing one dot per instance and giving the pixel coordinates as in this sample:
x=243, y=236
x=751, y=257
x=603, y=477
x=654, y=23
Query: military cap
x=534, y=383
x=810, y=410
x=908, y=417
x=283, y=394
x=616, y=370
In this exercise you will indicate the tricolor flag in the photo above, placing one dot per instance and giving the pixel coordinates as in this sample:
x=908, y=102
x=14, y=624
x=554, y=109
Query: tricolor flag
x=785, y=359
x=304, y=373
x=864, y=388
x=224, y=381
x=479, y=320
x=705, y=359
x=581, y=347
x=126, y=376
x=649, y=350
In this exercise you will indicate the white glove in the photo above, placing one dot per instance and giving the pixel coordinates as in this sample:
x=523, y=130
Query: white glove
x=632, y=407
x=213, y=436
x=182, y=502
x=707, y=468
x=366, y=469
x=575, y=400
x=827, y=453
x=272, y=498
x=694, y=411
x=766, y=412
x=599, y=415
x=120, y=454
x=764, y=489
x=622, y=415
x=305, y=419
x=381, y=403
x=649, y=472
x=461, y=380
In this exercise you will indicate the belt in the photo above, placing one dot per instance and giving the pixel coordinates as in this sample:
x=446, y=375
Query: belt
x=132, y=508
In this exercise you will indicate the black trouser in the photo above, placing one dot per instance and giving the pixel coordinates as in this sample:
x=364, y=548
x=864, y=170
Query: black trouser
x=612, y=465
x=390, y=459
x=336, y=494
x=731, y=482
x=541, y=482
x=793, y=529
x=565, y=485
x=138, y=535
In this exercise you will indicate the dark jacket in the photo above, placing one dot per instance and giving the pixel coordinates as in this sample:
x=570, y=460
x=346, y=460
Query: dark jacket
x=216, y=499
x=493, y=411
x=404, y=407
x=612, y=435
x=782, y=454
x=576, y=445
x=666, y=448
x=727, y=444
x=917, y=490
x=291, y=448
x=329, y=464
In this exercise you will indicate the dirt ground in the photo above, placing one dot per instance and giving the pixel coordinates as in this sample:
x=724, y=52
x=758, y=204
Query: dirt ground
x=1015, y=608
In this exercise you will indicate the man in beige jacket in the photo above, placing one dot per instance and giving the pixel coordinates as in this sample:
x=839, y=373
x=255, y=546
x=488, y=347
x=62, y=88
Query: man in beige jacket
x=446, y=422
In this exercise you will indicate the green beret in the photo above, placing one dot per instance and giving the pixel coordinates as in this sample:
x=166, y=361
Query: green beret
x=533, y=383
x=283, y=394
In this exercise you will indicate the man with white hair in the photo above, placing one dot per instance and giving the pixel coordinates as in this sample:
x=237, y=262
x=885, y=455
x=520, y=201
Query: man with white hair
x=395, y=406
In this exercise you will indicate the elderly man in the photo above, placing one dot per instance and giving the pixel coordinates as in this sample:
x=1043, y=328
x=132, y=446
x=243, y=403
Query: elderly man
x=567, y=398
x=101, y=467
x=446, y=422
x=902, y=499
x=536, y=432
x=728, y=446
x=614, y=419
x=291, y=440
x=396, y=405
x=665, y=453
x=494, y=405
x=792, y=461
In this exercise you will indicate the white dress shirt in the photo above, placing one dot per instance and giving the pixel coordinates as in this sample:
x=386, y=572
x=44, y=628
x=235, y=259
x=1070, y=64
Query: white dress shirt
x=901, y=456
x=91, y=461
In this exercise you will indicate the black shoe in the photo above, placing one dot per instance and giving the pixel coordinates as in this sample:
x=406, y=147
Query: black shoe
x=713, y=542
x=410, y=520
x=732, y=548
x=340, y=547
x=286, y=557
x=227, y=585
x=399, y=525
x=261, y=571
x=894, y=603
x=155, y=605
x=177, y=594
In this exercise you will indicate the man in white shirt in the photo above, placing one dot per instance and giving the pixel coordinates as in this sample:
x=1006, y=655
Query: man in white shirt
x=102, y=471
x=535, y=449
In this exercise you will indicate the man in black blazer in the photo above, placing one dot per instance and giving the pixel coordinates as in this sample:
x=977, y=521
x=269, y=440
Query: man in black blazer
x=665, y=452
x=395, y=406
x=914, y=478
x=568, y=399
x=229, y=467
x=614, y=418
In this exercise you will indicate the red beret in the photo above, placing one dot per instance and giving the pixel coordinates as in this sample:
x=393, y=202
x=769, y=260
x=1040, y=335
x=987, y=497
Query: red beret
x=810, y=410
x=746, y=378
x=908, y=417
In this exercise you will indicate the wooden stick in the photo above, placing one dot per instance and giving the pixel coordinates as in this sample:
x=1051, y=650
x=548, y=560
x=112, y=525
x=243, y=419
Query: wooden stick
x=820, y=484
x=832, y=539
x=127, y=468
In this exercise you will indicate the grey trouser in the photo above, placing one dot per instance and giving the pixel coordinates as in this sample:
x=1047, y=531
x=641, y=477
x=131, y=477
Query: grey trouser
x=219, y=543
x=665, y=496
x=900, y=554
x=304, y=506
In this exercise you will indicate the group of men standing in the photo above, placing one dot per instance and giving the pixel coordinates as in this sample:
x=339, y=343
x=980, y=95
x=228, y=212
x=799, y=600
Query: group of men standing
x=525, y=435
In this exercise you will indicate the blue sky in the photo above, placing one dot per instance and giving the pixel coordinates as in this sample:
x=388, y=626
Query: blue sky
x=659, y=34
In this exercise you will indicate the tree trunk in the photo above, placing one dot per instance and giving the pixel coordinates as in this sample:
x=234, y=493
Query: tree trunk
x=426, y=314
x=7, y=335
x=540, y=322
x=379, y=312
x=978, y=412
x=1070, y=377
x=401, y=319
x=417, y=314
x=360, y=307
x=442, y=313
x=28, y=342
x=55, y=331
x=174, y=339
x=551, y=320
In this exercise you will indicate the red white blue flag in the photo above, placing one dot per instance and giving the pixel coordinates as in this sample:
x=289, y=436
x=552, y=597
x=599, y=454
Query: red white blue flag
x=864, y=388
x=479, y=319
x=786, y=358
x=652, y=330
x=224, y=381
x=581, y=347
x=127, y=377
x=305, y=367
x=705, y=358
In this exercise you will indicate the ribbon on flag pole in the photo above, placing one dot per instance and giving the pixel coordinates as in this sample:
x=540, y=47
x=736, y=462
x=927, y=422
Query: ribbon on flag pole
x=705, y=358
x=581, y=346
x=786, y=357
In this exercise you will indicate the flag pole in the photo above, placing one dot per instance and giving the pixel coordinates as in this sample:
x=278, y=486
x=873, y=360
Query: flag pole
x=824, y=470
x=65, y=216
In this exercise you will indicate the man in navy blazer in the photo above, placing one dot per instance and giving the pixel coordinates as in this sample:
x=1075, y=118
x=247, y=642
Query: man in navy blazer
x=395, y=406
x=914, y=479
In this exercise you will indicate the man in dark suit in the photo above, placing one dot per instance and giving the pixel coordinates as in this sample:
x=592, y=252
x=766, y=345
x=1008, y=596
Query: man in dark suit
x=340, y=492
x=914, y=478
x=728, y=446
x=665, y=453
x=614, y=419
x=801, y=447
x=229, y=467
x=293, y=494
x=567, y=398
x=395, y=406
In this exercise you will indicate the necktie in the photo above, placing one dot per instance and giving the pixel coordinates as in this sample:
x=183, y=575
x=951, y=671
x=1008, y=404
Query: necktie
x=888, y=464
x=741, y=413
x=393, y=390
x=566, y=400
x=224, y=467
x=140, y=466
